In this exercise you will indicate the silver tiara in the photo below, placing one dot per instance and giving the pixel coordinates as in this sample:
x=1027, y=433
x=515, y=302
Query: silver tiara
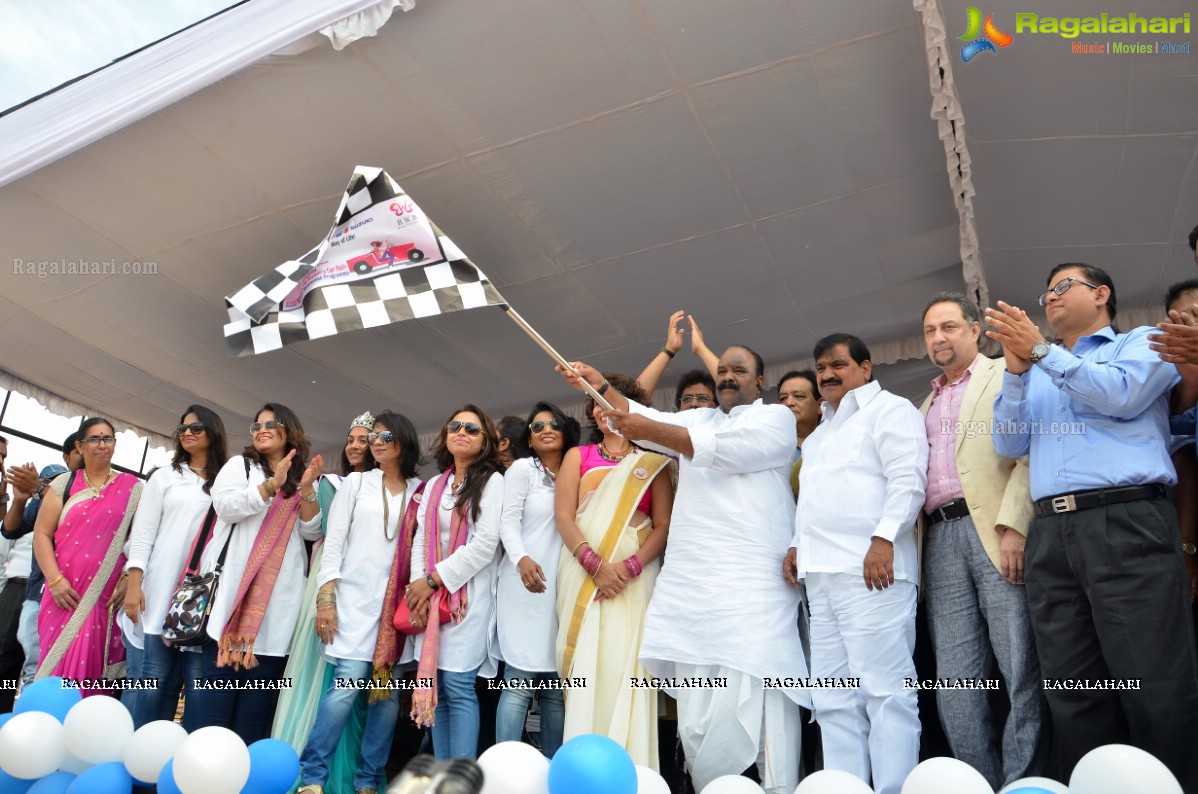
x=365, y=420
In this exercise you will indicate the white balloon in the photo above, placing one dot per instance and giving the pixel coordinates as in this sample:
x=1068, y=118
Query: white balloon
x=649, y=782
x=98, y=728
x=73, y=764
x=514, y=768
x=212, y=760
x=945, y=776
x=152, y=745
x=32, y=745
x=1036, y=782
x=732, y=784
x=1119, y=768
x=833, y=781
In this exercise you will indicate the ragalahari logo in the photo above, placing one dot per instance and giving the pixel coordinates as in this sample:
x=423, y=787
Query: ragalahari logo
x=993, y=36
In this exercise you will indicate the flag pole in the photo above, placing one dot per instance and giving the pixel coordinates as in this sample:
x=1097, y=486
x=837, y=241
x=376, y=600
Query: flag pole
x=548, y=348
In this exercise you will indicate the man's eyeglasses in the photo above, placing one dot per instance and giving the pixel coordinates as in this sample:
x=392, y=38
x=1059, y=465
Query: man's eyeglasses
x=195, y=427
x=538, y=425
x=272, y=424
x=699, y=399
x=93, y=441
x=471, y=428
x=384, y=437
x=1062, y=287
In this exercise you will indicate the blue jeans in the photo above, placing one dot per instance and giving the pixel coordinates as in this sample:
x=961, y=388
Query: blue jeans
x=513, y=709
x=132, y=671
x=247, y=712
x=27, y=636
x=172, y=668
x=455, y=734
x=335, y=709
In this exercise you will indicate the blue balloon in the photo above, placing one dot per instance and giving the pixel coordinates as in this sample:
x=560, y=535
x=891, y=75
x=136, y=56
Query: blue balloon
x=48, y=695
x=5, y=717
x=274, y=766
x=166, y=779
x=109, y=778
x=56, y=783
x=592, y=764
x=13, y=785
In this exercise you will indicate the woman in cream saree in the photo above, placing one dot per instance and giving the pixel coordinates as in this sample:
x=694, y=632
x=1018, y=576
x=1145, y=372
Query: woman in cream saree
x=613, y=504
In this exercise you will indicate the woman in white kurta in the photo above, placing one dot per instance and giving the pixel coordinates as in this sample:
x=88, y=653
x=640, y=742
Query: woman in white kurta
x=267, y=508
x=173, y=507
x=526, y=592
x=364, y=526
x=456, y=566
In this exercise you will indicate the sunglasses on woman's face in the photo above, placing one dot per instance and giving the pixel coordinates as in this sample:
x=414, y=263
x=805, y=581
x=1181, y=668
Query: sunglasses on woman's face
x=471, y=428
x=272, y=424
x=538, y=426
x=195, y=427
x=385, y=437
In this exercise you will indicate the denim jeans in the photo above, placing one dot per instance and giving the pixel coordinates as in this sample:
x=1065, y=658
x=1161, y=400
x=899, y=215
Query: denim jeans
x=27, y=636
x=455, y=734
x=335, y=709
x=513, y=709
x=172, y=668
x=130, y=697
x=247, y=712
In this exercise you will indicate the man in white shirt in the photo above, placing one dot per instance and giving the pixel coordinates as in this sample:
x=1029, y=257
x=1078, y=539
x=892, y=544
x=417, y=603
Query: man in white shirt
x=719, y=616
x=861, y=487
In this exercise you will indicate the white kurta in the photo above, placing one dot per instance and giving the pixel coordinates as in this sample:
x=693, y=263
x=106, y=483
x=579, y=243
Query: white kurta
x=358, y=555
x=526, y=623
x=168, y=518
x=720, y=598
x=465, y=646
x=240, y=508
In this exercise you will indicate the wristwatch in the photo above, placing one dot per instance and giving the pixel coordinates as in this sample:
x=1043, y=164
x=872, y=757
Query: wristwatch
x=1039, y=351
x=602, y=390
x=310, y=498
x=1189, y=548
x=432, y=582
x=41, y=489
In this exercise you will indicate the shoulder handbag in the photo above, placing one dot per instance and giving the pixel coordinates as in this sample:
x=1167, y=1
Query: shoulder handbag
x=187, y=618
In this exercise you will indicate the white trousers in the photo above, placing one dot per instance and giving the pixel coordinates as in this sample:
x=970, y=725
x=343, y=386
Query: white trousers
x=725, y=730
x=871, y=732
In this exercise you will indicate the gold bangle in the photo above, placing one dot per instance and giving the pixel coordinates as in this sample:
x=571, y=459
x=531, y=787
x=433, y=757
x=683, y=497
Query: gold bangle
x=57, y=579
x=270, y=487
x=574, y=551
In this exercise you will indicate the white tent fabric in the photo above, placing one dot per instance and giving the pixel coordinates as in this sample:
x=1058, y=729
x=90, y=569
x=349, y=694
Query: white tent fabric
x=774, y=171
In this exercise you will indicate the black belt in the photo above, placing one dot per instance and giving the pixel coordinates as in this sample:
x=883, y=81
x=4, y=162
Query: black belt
x=949, y=511
x=1087, y=500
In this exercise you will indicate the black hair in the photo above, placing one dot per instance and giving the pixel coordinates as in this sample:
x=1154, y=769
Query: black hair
x=3, y=440
x=409, y=443
x=571, y=430
x=1096, y=276
x=512, y=428
x=89, y=423
x=625, y=385
x=217, y=444
x=1194, y=239
x=68, y=446
x=695, y=377
x=806, y=375
x=293, y=432
x=857, y=349
x=479, y=472
x=968, y=310
x=1175, y=290
x=756, y=358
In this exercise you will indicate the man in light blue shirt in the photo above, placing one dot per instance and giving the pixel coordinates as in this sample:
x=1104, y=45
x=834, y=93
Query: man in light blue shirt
x=1106, y=584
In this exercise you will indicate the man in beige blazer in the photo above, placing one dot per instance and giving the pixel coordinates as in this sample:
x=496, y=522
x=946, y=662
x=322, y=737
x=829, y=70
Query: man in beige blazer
x=973, y=530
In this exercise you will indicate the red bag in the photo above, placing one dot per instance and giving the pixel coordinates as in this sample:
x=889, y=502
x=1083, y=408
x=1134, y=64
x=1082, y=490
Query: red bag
x=403, y=617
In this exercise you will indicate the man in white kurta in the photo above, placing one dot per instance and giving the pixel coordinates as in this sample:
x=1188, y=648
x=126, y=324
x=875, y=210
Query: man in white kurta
x=860, y=488
x=721, y=628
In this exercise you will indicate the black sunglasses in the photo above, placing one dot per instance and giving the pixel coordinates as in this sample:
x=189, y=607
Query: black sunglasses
x=538, y=425
x=471, y=428
x=195, y=427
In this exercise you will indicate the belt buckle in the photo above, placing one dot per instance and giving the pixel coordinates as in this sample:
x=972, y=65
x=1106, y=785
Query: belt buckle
x=1064, y=504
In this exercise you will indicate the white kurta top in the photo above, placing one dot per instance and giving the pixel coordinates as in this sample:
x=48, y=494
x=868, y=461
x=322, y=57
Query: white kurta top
x=864, y=472
x=168, y=518
x=465, y=646
x=240, y=507
x=358, y=555
x=720, y=598
x=526, y=623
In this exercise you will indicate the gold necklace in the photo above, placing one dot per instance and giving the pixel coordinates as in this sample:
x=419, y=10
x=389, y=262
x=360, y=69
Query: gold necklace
x=88, y=480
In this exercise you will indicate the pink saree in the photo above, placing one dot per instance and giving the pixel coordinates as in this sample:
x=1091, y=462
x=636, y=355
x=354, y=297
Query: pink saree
x=85, y=643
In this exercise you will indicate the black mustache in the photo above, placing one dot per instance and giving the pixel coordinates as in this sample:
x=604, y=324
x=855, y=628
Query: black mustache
x=831, y=382
x=728, y=384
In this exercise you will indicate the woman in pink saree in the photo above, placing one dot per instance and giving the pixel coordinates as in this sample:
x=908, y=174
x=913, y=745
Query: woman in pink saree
x=79, y=541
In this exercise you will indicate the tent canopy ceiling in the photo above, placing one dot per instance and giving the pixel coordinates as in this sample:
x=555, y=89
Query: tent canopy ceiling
x=775, y=173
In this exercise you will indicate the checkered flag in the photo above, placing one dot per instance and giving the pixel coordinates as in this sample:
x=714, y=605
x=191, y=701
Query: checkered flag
x=383, y=262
